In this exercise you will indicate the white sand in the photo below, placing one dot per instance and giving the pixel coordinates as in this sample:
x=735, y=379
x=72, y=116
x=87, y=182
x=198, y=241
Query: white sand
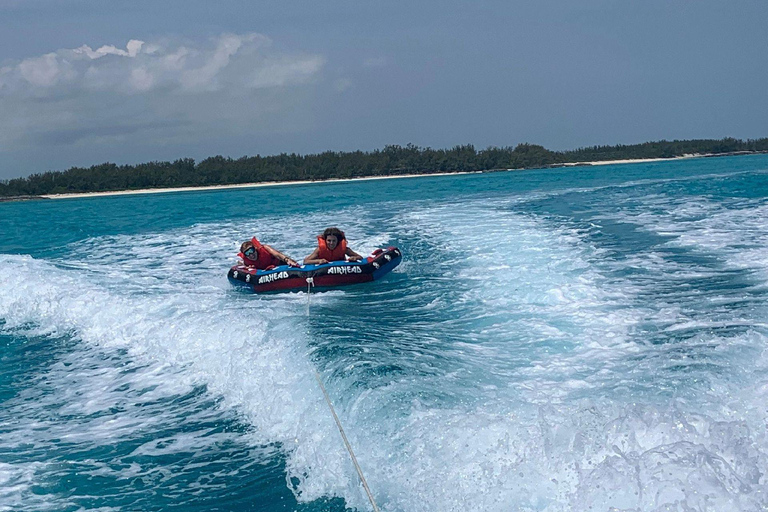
x=241, y=185
x=643, y=160
x=333, y=180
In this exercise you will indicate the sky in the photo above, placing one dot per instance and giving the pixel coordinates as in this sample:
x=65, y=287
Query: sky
x=84, y=82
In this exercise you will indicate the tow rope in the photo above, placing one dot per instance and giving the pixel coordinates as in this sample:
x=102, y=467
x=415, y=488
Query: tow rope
x=346, y=443
x=310, y=284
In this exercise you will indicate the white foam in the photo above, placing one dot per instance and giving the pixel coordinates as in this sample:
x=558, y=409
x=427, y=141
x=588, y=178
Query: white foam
x=15, y=481
x=619, y=448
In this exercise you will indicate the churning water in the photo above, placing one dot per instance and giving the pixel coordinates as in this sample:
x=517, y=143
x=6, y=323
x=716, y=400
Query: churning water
x=554, y=340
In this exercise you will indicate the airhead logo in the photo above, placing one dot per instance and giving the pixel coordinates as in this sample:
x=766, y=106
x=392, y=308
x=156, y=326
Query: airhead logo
x=345, y=270
x=272, y=277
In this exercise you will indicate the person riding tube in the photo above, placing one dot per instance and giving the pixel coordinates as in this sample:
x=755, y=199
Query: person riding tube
x=261, y=256
x=331, y=246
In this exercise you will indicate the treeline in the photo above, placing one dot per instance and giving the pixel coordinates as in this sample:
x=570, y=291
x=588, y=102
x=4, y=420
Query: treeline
x=392, y=160
x=667, y=149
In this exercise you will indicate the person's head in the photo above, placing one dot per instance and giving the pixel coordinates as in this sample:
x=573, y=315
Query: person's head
x=332, y=237
x=248, y=249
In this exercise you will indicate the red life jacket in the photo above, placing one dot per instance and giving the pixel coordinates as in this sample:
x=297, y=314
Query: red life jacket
x=264, y=258
x=339, y=253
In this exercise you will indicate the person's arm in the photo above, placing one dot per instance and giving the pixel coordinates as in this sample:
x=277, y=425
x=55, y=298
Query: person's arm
x=353, y=256
x=280, y=256
x=312, y=259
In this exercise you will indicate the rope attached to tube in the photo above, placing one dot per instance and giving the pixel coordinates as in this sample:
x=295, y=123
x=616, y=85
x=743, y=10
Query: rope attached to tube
x=310, y=284
x=346, y=443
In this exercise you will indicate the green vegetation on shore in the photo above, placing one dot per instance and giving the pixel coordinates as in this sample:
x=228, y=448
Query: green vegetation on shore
x=390, y=161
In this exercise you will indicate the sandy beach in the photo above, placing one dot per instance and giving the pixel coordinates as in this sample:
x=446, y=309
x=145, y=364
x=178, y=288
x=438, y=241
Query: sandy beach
x=243, y=185
x=646, y=160
x=336, y=180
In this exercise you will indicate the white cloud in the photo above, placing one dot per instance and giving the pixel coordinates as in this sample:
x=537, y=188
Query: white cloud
x=234, y=61
x=142, y=79
x=204, y=76
x=132, y=49
x=45, y=71
x=282, y=71
x=152, y=90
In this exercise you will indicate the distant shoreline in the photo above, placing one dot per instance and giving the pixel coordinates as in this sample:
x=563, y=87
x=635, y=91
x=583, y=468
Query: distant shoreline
x=75, y=195
x=244, y=185
x=333, y=180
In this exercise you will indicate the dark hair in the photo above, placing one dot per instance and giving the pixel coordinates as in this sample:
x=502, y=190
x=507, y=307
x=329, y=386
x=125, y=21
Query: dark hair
x=335, y=232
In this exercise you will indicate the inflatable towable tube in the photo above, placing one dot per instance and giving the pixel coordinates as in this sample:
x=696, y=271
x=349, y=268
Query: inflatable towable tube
x=327, y=275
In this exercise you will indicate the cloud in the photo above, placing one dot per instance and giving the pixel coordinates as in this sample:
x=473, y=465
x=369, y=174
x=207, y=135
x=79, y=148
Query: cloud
x=152, y=91
x=132, y=49
x=45, y=71
x=230, y=61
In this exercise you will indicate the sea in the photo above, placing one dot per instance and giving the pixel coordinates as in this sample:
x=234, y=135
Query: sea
x=575, y=339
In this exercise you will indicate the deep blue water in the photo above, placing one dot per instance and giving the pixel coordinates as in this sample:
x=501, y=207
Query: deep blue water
x=554, y=340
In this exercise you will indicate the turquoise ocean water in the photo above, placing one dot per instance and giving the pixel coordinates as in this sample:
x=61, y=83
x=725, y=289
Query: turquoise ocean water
x=554, y=340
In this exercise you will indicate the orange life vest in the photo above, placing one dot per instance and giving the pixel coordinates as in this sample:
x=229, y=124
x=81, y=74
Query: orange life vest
x=264, y=258
x=339, y=253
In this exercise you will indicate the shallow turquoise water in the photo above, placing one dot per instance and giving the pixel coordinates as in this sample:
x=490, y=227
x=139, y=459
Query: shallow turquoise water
x=554, y=340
